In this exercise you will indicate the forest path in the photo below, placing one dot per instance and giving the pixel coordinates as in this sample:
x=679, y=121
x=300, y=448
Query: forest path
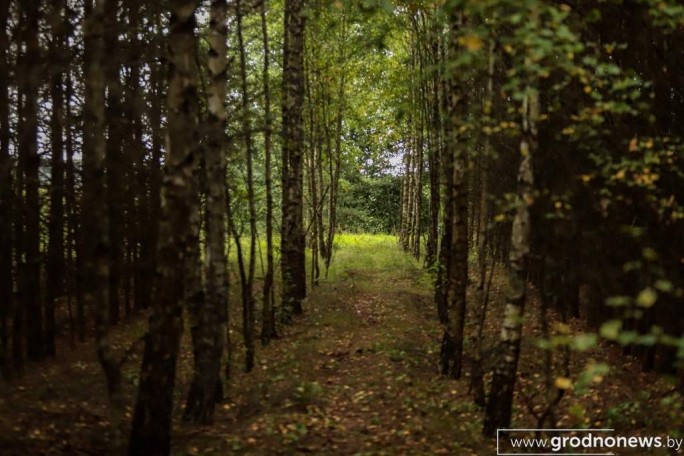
x=356, y=375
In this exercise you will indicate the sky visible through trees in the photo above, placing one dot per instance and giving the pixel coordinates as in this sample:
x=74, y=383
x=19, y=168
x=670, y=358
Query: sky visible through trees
x=340, y=227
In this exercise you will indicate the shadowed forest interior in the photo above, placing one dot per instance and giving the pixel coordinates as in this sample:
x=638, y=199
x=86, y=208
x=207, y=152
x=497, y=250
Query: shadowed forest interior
x=359, y=227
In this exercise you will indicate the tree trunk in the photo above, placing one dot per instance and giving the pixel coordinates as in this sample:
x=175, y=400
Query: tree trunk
x=268, y=330
x=318, y=177
x=151, y=431
x=337, y=159
x=477, y=377
x=432, y=108
x=155, y=173
x=143, y=269
x=293, y=242
x=207, y=330
x=406, y=202
x=457, y=244
x=447, y=174
x=248, y=304
x=500, y=403
x=54, y=286
x=6, y=197
x=115, y=159
x=18, y=336
x=28, y=79
x=73, y=234
x=94, y=211
x=417, y=229
x=314, y=142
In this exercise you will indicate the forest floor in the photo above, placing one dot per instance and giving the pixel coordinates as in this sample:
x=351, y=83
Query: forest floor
x=357, y=374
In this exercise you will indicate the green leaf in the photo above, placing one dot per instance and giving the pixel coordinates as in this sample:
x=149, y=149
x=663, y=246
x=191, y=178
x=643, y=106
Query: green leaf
x=618, y=301
x=611, y=329
x=664, y=285
x=648, y=340
x=592, y=374
x=593, y=16
x=650, y=254
x=583, y=342
x=544, y=344
x=627, y=337
x=647, y=297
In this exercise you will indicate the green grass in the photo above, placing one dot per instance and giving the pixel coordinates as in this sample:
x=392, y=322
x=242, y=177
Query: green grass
x=354, y=255
x=377, y=254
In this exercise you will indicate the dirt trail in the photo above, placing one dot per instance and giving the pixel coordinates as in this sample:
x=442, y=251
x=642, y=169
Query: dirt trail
x=356, y=375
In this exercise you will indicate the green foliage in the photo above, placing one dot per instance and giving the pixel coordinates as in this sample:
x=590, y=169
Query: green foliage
x=600, y=115
x=370, y=205
x=668, y=14
x=591, y=375
x=624, y=413
x=363, y=253
x=307, y=393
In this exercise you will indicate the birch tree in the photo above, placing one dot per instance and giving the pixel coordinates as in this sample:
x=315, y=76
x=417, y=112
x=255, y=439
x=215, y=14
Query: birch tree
x=151, y=431
x=293, y=237
x=209, y=319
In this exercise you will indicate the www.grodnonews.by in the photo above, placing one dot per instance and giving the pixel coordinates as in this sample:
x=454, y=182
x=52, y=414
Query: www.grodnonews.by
x=595, y=439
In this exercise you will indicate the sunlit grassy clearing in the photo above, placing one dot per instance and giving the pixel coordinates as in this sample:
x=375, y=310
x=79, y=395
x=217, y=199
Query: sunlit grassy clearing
x=373, y=254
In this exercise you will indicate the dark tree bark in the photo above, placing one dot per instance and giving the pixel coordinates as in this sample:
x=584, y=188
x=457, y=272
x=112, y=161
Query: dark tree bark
x=314, y=144
x=54, y=286
x=208, y=321
x=447, y=173
x=18, y=326
x=151, y=432
x=74, y=238
x=418, y=194
x=28, y=79
x=73, y=259
x=6, y=197
x=420, y=96
x=293, y=237
x=268, y=329
x=433, y=164
x=320, y=203
x=155, y=102
x=96, y=278
x=434, y=125
x=477, y=377
x=500, y=402
x=404, y=232
x=457, y=204
x=247, y=277
x=115, y=158
x=335, y=162
x=139, y=221
x=321, y=142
